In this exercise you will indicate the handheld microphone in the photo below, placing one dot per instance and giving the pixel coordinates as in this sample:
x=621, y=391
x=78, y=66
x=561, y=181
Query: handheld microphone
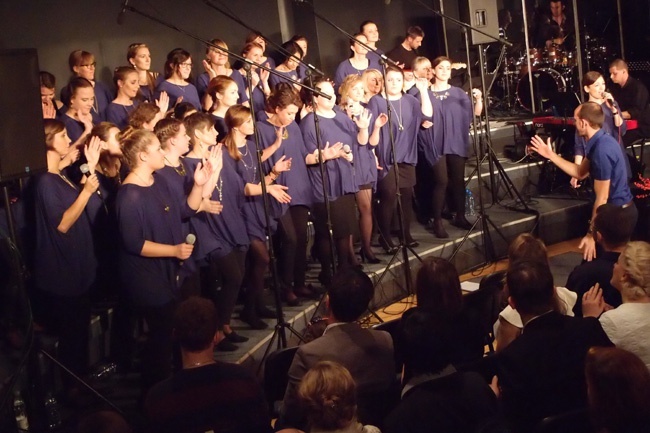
x=346, y=149
x=120, y=16
x=610, y=99
x=85, y=169
x=190, y=239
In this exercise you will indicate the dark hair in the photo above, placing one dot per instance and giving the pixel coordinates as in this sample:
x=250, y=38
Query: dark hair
x=182, y=108
x=527, y=247
x=195, y=323
x=77, y=83
x=291, y=48
x=234, y=118
x=47, y=80
x=142, y=114
x=613, y=226
x=365, y=23
x=437, y=286
x=591, y=77
x=438, y=60
x=52, y=127
x=414, y=32
x=425, y=340
x=282, y=96
x=252, y=36
x=101, y=130
x=120, y=73
x=592, y=113
x=618, y=385
x=349, y=294
x=530, y=284
x=78, y=58
x=619, y=64
x=197, y=121
x=328, y=392
x=166, y=129
x=174, y=59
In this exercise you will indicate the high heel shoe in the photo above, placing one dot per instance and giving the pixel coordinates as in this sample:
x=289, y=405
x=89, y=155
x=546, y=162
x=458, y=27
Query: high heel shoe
x=289, y=297
x=438, y=229
x=389, y=248
x=368, y=257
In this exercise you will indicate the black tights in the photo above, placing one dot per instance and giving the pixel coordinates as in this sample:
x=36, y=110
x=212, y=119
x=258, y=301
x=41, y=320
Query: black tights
x=387, y=192
x=449, y=179
x=292, y=246
x=228, y=269
x=258, y=263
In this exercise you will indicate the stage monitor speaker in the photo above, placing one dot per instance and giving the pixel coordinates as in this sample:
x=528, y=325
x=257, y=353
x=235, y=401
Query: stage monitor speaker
x=483, y=15
x=22, y=140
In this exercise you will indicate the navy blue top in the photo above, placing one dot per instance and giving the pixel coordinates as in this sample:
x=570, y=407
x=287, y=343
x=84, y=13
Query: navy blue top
x=149, y=214
x=452, y=117
x=74, y=128
x=218, y=235
x=345, y=68
x=119, y=114
x=374, y=58
x=220, y=126
x=407, y=112
x=175, y=91
x=284, y=77
x=340, y=172
x=253, y=208
x=103, y=96
x=297, y=179
x=204, y=79
x=426, y=148
x=606, y=161
x=64, y=263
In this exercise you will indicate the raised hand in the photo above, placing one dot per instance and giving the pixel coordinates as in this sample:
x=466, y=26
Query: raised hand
x=163, y=102
x=588, y=245
x=381, y=120
x=283, y=164
x=87, y=120
x=592, y=302
x=363, y=120
x=208, y=68
x=69, y=158
x=49, y=112
x=92, y=151
x=422, y=84
x=203, y=173
x=279, y=192
x=544, y=149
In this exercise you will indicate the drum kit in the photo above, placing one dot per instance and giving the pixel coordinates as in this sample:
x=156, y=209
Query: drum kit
x=554, y=74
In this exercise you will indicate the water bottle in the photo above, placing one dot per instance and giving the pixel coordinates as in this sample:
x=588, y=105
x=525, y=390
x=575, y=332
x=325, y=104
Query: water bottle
x=469, y=203
x=20, y=411
x=52, y=412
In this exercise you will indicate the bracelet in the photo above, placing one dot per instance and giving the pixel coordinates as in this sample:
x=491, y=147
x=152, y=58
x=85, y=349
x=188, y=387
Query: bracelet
x=615, y=114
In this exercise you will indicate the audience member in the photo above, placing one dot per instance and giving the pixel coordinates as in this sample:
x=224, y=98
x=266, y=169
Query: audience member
x=206, y=394
x=618, y=385
x=437, y=397
x=628, y=325
x=366, y=353
x=541, y=373
x=509, y=325
x=328, y=393
x=613, y=232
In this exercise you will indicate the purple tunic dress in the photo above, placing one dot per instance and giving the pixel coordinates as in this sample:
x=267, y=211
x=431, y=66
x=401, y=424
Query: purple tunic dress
x=119, y=114
x=346, y=68
x=284, y=77
x=452, y=117
x=204, y=79
x=174, y=91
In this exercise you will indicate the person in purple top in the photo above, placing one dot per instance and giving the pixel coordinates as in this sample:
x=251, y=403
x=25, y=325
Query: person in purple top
x=64, y=262
x=614, y=125
x=139, y=57
x=340, y=138
x=304, y=45
x=215, y=64
x=449, y=146
x=126, y=81
x=82, y=64
x=288, y=66
x=223, y=91
x=255, y=52
x=177, y=84
x=357, y=63
x=258, y=39
x=371, y=32
x=153, y=245
x=281, y=132
x=407, y=114
x=79, y=118
x=243, y=151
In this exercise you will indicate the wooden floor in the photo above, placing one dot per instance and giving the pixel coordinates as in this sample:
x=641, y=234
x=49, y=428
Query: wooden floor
x=396, y=310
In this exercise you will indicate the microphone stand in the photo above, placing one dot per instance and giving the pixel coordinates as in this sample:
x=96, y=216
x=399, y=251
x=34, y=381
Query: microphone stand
x=278, y=47
x=402, y=247
x=281, y=324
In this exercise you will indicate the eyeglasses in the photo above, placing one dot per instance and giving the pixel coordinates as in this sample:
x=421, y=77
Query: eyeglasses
x=185, y=65
x=89, y=65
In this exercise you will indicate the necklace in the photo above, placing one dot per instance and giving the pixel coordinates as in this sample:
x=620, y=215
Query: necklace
x=66, y=180
x=115, y=178
x=146, y=183
x=400, y=125
x=285, y=133
x=252, y=165
x=438, y=95
x=219, y=188
x=201, y=363
x=181, y=171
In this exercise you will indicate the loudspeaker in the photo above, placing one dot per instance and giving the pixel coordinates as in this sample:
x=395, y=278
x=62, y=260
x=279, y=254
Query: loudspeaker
x=22, y=140
x=483, y=15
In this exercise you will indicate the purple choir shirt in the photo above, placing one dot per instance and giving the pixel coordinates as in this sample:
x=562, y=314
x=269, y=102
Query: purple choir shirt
x=203, y=80
x=174, y=91
x=119, y=114
x=452, y=117
x=345, y=68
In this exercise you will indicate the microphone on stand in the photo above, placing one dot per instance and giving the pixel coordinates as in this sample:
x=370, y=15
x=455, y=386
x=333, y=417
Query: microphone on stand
x=120, y=16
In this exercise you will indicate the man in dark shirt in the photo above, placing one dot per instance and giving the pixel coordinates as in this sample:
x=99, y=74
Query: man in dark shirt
x=556, y=30
x=612, y=230
x=406, y=52
x=206, y=394
x=632, y=96
x=541, y=373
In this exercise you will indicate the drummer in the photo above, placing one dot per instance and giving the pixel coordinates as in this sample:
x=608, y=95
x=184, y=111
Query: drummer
x=556, y=29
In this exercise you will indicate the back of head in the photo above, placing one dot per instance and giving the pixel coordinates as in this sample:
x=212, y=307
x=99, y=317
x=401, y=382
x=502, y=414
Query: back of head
x=143, y=113
x=437, y=286
x=527, y=247
x=592, y=113
x=531, y=287
x=618, y=388
x=349, y=294
x=614, y=226
x=328, y=393
x=635, y=259
x=167, y=129
x=195, y=324
x=414, y=32
x=425, y=339
x=197, y=122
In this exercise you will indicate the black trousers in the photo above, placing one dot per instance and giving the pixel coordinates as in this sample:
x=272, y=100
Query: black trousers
x=387, y=194
x=222, y=279
x=291, y=246
x=449, y=181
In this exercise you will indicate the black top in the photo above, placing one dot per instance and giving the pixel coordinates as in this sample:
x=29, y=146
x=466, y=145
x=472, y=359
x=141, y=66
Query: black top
x=586, y=274
x=633, y=98
x=402, y=55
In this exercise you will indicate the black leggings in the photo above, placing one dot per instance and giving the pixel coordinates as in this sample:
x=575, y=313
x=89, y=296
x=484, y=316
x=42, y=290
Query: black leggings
x=256, y=266
x=291, y=242
x=229, y=270
x=387, y=193
x=449, y=179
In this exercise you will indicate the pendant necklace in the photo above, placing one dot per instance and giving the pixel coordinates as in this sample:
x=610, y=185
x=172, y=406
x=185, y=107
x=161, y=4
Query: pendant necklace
x=400, y=125
x=181, y=171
